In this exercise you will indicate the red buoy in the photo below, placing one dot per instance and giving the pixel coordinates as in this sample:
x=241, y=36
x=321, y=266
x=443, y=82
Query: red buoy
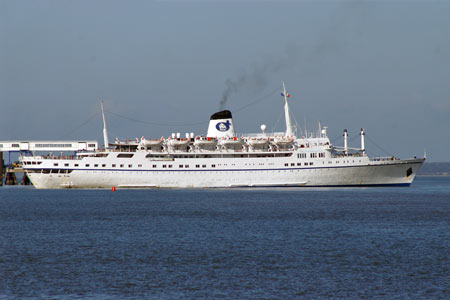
x=113, y=188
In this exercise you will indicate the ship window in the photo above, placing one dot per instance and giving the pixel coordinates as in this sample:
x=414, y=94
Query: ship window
x=292, y=164
x=87, y=165
x=125, y=155
x=286, y=165
x=96, y=165
x=213, y=166
x=139, y=166
x=76, y=165
x=197, y=166
x=55, y=164
x=46, y=171
x=203, y=166
x=66, y=165
x=63, y=171
x=130, y=166
x=154, y=166
x=299, y=164
x=113, y=165
x=54, y=171
x=104, y=165
x=186, y=166
x=180, y=166
x=164, y=166
x=121, y=165
x=170, y=166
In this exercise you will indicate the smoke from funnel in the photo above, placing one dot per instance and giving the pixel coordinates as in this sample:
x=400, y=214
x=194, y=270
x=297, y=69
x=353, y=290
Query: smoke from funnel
x=346, y=26
x=256, y=78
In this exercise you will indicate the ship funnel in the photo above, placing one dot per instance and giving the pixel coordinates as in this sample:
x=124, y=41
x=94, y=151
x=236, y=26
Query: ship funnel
x=221, y=125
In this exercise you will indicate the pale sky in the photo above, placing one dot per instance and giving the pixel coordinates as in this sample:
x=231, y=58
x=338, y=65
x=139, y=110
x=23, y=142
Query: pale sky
x=381, y=65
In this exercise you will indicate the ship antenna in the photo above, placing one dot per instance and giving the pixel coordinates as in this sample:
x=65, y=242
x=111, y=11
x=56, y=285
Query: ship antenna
x=105, y=131
x=289, y=130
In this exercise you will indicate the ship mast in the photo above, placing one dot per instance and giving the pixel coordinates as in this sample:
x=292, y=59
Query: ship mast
x=289, y=130
x=105, y=131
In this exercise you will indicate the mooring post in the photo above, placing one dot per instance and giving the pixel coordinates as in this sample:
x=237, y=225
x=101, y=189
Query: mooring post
x=25, y=179
x=11, y=178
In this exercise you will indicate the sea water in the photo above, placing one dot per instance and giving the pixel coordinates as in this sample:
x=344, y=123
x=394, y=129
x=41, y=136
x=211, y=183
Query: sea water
x=287, y=243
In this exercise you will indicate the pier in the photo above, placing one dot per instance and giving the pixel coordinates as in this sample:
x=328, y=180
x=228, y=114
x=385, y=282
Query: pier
x=8, y=171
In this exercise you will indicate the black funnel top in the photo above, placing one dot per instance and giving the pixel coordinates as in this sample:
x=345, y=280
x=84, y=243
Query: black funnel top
x=224, y=114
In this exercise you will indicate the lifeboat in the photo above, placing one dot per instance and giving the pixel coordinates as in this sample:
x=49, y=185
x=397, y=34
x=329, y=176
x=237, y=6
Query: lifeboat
x=283, y=141
x=150, y=142
x=231, y=142
x=178, y=142
x=205, y=142
x=258, y=142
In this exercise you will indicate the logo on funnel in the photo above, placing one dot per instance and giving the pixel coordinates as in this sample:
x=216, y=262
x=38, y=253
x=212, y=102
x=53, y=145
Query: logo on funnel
x=223, y=126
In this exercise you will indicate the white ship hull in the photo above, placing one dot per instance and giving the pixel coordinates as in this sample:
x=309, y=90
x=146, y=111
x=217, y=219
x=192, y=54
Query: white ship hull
x=223, y=172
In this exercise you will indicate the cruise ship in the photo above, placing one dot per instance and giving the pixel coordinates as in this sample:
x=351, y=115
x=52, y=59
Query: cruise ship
x=221, y=159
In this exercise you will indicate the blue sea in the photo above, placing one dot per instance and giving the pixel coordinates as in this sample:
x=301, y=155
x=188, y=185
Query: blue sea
x=287, y=243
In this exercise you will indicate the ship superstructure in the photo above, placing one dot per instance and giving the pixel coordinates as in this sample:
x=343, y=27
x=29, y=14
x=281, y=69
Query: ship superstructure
x=221, y=159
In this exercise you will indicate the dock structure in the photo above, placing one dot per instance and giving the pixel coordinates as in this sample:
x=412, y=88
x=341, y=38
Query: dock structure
x=1, y=168
x=48, y=146
x=8, y=171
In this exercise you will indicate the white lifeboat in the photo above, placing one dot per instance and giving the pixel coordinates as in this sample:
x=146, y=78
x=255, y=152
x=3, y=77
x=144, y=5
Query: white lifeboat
x=283, y=140
x=178, y=142
x=258, y=142
x=205, y=142
x=231, y=142
x=150, y=142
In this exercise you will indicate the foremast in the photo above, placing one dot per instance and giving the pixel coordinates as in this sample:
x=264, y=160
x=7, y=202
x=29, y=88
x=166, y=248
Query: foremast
x=289, y=127
x=105, y=131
